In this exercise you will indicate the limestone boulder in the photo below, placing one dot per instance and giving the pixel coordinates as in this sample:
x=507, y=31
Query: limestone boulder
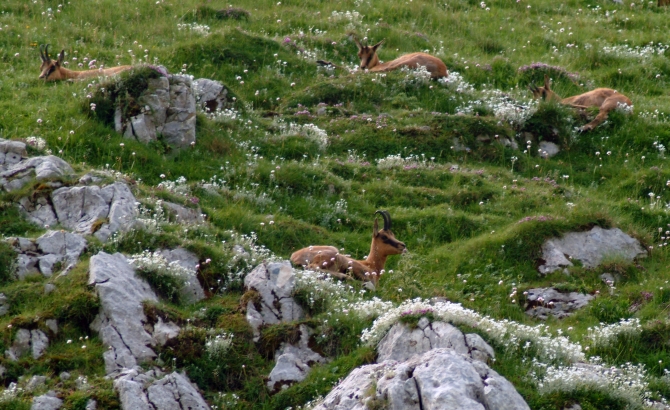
x=11, y=153
x=274, y=282
x=42, y=254
x=121, y=320
x=151, y=390
x=39, y=168
x=192, y=291
x=403, y=342
x=211, y=95
x=438, y=379
x=182, y=214
x=33, y=341
x=293, y=362
x=590, y=248
x=48, y=401
x=544, y=302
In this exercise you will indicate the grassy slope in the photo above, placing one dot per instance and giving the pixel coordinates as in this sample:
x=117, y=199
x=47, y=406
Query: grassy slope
x=455, y=223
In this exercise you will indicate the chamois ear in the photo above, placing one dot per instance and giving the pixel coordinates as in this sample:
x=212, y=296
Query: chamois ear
x=376, y=46
x=61, y=57
x=42, y=53
x=547, y=82
x=375, y=228
x=358, y=43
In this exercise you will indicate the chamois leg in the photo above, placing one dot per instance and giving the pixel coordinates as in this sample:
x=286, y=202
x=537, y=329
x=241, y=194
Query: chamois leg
x=607, y=106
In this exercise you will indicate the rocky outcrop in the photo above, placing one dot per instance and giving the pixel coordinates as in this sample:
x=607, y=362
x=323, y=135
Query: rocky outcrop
x=184, y=215
x=14, y=175
x=4, y=305
x=589, y=248
x=274, y=283
x=211, y=95
x=85, y=209
x=34, y=341
x=548, y=149
x=438, y=379
x=48, y=401
x=403, y=342
x=42, y=254
x=293, y=362
x=192, y=291
x=168, y=110
x=121, y=320
x=149, y=391
x=11, y=153
x=544, y=302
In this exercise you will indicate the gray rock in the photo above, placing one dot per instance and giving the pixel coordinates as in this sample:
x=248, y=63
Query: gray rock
x=179, y=128
x=548, y=149
x=20, y=346
x=274, y=282
x=590, y=248
x=35, y=168
x=91, y=405
x=79, y=208
x=65, y=245
x=211, y=95
x=4, y=305
x=48, y=401
x=120, y=322
x=402, y=342
x=543, y=302
x=11, y=152
x=38, y=343
x=437, y=379
x=52, y=324
x=293, y=362
x=39, y=212
x=65, y=376
x=183, y=215
x=26, y=265
x=172, y=392
x=122, y=211
x=48, y=288
x=192, y=291
x=36, y=382
x=164, y=332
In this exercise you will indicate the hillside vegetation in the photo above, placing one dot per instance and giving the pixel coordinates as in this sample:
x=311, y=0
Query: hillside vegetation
x=305, y=156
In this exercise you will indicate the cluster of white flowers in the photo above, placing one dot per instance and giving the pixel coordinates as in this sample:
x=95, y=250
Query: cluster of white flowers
x=655, y=115
x=416, y=76
x=196, y=28
x=661, y=149
x=11, y=392
x=37, y=142
x=504, y=107
x=605, y=334
x=155, y=262
x=624, y=108
x=217, y=346
x=506, y=332
x=410, y=162
x=225, y=115
x=151, y=220
x=179, y=186
x=626, y=382
x=353, y=17
x=456, y=81
x=647, y=51
x=309, y=131
x=322, y=287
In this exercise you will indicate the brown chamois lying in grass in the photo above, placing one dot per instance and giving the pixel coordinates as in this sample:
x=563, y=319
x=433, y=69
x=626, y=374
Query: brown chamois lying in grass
x=370, y=61
x=53, y=70
x=328, y=258
x=605, y=99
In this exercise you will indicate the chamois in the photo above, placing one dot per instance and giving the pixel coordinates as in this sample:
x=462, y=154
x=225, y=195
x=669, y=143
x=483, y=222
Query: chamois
x=370, y=61
x=605, y=99
x=52, y=70
x=328, y=258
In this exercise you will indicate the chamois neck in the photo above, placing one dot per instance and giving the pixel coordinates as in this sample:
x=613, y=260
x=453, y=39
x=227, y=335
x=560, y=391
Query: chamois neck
x=374, y=61
x=375, y=260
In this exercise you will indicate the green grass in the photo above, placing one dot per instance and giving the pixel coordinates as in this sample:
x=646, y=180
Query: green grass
x=460, y=212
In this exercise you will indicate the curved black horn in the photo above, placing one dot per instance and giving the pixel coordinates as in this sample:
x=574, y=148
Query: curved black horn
x=46, y=52
x=387, y=219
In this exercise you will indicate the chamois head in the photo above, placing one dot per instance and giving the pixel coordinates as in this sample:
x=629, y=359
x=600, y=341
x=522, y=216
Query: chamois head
x=367, y=54
x=50, y=69
x=384, y=240
x=545, y=92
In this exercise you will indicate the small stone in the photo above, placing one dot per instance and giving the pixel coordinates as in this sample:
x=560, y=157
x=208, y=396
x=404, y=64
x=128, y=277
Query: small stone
x=48, y=288
x=48, y=401
x=36, y=382
x=52, y=324
x=65, y=376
